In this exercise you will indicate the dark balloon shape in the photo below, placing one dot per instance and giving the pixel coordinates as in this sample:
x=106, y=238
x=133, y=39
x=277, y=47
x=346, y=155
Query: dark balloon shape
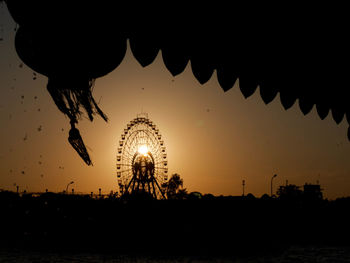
x=287, y=99
x=322, y=110
x=90, y=58
x=201, y=71
x=226, y=77
x=175, y=58
x=305, y=105
x=338, y=115
x=144, y=49
x=268, y=92
x=202, y=62
x=248, y=86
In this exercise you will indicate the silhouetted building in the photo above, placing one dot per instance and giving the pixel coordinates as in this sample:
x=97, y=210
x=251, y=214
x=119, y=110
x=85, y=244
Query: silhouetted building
x=312, y=192
x=289, y=191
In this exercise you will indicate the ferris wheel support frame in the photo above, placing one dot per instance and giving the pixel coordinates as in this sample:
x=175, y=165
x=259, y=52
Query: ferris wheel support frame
x=152, y=180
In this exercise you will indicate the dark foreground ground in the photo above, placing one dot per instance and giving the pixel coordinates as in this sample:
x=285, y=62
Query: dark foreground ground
x=306, y=254
x=225, y=228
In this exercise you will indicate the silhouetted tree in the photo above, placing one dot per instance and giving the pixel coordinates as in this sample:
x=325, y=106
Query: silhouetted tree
x=265, y=197
x=250, y=196
x=172, y=187
x=195, y=195
x=208, y=197
x=182, y=194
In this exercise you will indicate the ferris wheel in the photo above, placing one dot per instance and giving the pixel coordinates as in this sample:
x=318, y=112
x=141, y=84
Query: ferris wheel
x=142, y=164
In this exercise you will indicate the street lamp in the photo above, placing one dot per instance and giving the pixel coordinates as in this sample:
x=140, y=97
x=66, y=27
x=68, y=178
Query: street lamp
x=243, y=184
x=271, y=182
x=72, y=182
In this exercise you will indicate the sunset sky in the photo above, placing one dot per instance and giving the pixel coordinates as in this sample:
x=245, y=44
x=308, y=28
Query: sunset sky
x=214, y=139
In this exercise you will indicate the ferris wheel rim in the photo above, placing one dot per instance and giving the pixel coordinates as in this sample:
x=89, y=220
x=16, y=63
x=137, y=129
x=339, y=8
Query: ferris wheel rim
x=141, y=131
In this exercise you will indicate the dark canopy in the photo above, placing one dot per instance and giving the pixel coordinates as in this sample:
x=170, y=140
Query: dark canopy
x=299, y=52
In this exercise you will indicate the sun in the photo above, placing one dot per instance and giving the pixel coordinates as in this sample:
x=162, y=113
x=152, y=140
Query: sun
x=143, y=149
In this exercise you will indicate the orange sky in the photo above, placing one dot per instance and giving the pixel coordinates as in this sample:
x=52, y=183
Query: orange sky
x=214, y=139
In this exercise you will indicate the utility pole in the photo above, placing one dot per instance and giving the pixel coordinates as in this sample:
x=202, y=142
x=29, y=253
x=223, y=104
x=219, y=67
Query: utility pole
x=271, y=183
x=243, y=184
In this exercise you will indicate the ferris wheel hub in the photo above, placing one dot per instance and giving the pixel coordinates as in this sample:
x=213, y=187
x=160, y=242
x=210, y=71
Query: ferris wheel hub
x=143, y=149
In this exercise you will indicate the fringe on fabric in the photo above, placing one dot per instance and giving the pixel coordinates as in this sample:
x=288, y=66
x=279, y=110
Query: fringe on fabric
x=70, y=97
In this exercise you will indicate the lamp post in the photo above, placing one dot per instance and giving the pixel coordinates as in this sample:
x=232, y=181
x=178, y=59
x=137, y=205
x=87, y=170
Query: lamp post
x=271, y=182
x=72, y=182
x=243, y=184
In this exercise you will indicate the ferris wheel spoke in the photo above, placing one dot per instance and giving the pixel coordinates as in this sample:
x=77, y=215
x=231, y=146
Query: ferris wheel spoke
x=126, y=171
x=156, y=163
x=129, y=155
x=157, y=167
x=159, y=149
x=160, y=160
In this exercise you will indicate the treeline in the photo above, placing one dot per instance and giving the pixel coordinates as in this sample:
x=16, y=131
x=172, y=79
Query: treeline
x=196, y=224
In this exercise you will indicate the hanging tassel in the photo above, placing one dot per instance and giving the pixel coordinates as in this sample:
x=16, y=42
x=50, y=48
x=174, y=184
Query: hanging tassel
x=77, y=143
